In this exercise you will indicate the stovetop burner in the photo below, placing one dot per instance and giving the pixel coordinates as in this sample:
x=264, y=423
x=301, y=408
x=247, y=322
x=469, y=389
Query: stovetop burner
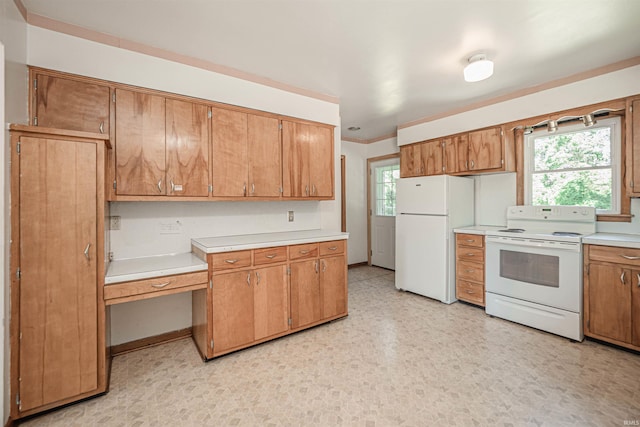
x=513, y=230
x=566, y=233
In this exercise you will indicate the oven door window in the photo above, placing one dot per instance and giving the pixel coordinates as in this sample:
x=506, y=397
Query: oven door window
x=543, y=270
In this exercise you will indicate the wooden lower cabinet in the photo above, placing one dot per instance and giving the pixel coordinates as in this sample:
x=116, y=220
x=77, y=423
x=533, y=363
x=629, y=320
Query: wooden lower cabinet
x=305, y=293
x=58, y=351
x=612, y=295
x=333, y=286
x=232, y=310
x=470, y=268
x=261, y=294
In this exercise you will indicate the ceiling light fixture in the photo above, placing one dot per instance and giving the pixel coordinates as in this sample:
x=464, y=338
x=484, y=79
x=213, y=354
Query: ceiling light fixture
x=479, y=68
x=589, y=120
x=552, y=126
x=353, y=128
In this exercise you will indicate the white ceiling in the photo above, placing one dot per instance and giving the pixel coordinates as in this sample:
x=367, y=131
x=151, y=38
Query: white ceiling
x=388, y=61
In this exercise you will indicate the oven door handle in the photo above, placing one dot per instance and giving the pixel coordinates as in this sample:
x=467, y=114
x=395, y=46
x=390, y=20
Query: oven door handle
x=564, y=246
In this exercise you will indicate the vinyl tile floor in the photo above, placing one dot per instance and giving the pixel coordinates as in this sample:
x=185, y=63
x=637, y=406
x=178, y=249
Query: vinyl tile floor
x=398, y=360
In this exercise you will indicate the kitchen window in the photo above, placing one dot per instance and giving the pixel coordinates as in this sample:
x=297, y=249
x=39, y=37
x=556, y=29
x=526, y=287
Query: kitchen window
x=576, y=165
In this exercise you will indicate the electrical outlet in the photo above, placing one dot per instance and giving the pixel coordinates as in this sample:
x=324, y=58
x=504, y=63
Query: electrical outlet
x=110, y=256
x=114, y=223
x=290, y=216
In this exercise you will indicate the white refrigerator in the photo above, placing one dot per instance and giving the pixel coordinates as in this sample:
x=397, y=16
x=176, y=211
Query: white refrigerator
x=427, y=210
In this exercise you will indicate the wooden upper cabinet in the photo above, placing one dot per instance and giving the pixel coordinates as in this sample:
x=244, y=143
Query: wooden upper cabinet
x=432, y=155
x=307, y=153
x=456, y=153
x=246, y=154
x=230, y=154
x=321, y=171
x=187, y=148
x=70, y=104
x=633, y=148
x=485, y=149
x=140, y=144
x=410, y=161
x=264, y=156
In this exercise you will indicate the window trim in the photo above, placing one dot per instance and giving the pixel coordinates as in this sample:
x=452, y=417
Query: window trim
x=615, y=123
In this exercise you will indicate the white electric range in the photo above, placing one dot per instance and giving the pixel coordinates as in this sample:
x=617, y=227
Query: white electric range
x=534, y=267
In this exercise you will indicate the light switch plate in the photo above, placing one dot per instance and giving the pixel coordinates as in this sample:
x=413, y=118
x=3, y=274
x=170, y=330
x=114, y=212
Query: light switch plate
x=290, y=216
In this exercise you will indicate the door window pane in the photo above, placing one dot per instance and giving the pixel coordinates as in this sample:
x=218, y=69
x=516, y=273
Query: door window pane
x=385, y=189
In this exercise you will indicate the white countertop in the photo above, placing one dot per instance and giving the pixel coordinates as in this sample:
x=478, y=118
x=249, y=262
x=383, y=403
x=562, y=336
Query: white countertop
x=212, y=245
x=479, y=229
x=613, y=239
x=125, y=270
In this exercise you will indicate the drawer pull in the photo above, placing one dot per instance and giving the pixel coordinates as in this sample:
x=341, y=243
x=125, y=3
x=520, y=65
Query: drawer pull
x=160, y=285
x=333, y=248
x=470, y=240
x=630, y=257
x=470, y=254
x=470, y=292
x=470, y=271
x=304, y=252
x=230, y=261
x=272, y=256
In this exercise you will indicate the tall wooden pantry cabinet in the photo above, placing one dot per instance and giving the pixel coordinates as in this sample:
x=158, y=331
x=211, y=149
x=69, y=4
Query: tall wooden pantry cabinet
x=58, y=349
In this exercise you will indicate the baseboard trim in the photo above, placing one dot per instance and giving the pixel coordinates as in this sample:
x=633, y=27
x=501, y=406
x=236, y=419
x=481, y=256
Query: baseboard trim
x=10, y=422
x=358, y=264
x=130, y=346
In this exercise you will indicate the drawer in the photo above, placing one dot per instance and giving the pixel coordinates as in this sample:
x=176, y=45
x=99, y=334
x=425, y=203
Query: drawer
x=331, y=248
x=269, y=255
x=470, y=292
x=230, y=260
x=470, y=254
x=470, y=271
x=476, y=240
x=310, y=250
x=158, y=285
x=628, y=256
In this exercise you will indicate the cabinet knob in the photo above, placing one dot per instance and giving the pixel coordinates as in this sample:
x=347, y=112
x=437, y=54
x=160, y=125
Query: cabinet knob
x=248, y=279
x=101, y=127
x=160, y=186
x=86, y=252
x=622, y=277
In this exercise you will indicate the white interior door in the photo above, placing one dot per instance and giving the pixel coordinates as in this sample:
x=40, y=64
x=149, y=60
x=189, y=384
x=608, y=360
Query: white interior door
x=383, y=211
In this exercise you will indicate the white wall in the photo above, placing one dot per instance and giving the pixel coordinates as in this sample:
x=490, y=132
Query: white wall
x=493, y=195
x=13, y=109
x=617, y=84
x=356, y=176
x=140, y=233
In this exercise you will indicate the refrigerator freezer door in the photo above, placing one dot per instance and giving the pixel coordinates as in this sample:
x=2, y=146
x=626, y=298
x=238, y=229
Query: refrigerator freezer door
x=421, y=256
x=422, y=195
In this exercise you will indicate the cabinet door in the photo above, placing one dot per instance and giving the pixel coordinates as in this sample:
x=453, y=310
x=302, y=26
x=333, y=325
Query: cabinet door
x=410, y=161
x=305, y=293
x=187, y=148
x=70, y=104
x=635, y=308
x=485, y=149
x=333, y=284
x=232, y=310
x=229, y=153
x=58, y=349
x=610, y=301
x=264, y=153
x=321, y=171
x=633, y=163
x=456, y=153
x=271, y=301
x=431, y=152
x=295, y=159
x=140, y=144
